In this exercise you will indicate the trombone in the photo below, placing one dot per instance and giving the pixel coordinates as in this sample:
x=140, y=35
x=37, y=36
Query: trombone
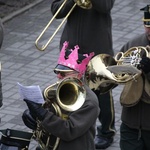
x=86, y=4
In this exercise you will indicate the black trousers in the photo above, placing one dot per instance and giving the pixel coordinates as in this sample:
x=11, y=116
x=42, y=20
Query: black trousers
x=107, y=115
x=134, y=139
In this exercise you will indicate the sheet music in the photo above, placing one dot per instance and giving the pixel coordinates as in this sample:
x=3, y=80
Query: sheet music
x=32, y=93
x=123, y=69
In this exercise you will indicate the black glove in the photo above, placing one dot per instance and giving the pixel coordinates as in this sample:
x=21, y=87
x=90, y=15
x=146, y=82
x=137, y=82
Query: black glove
x=28, y=120
x=145, y=64
x=36, y=110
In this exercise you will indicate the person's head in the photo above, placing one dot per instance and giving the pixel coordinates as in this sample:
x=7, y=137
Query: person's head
x=71, y=63
x=146, y=20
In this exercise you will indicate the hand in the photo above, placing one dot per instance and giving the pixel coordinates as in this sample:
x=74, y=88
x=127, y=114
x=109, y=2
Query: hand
x=145, y=65
x=36, y=110
x=28, y=120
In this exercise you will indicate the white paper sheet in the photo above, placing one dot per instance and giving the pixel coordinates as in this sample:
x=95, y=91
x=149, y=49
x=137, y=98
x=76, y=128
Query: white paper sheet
x=32, y=93
x=116, y=69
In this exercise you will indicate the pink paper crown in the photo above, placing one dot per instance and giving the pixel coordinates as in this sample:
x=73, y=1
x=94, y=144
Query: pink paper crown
x=72, y=60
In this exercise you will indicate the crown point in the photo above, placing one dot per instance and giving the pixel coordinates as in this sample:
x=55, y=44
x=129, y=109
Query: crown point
x=72, y=60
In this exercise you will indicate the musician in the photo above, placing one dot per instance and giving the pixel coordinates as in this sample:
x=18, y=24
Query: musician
x=91, y=29
x=1, y=41
x=78, y=130
x=135, y=127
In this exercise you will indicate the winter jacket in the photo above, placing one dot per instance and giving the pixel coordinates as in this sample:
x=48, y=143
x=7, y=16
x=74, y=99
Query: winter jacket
x=77, y=132
x=88, y=28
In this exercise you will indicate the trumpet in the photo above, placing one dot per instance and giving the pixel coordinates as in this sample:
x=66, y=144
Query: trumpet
x=85, y=4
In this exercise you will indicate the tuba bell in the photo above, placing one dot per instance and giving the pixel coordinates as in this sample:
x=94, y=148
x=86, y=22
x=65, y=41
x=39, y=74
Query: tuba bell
x=109, y=71
x=60, y=98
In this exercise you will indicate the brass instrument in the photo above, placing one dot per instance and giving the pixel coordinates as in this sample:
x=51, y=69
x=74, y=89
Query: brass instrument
x=85, y=4
x=65, y=96
x=109, y=71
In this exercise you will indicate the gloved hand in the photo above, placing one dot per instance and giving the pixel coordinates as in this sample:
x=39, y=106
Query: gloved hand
x=28, y=120
x=36, y=110
x=86, y=4
x=145, y=65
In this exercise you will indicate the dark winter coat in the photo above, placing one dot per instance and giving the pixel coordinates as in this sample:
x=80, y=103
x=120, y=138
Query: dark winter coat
x=137, y=116
x=88, y=28
x=78, y=131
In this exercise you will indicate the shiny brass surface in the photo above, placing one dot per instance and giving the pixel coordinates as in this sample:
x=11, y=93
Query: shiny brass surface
x=98, y=67
x=64, y=96
x=132, y=56
x=110, y=71
x=85, y=4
